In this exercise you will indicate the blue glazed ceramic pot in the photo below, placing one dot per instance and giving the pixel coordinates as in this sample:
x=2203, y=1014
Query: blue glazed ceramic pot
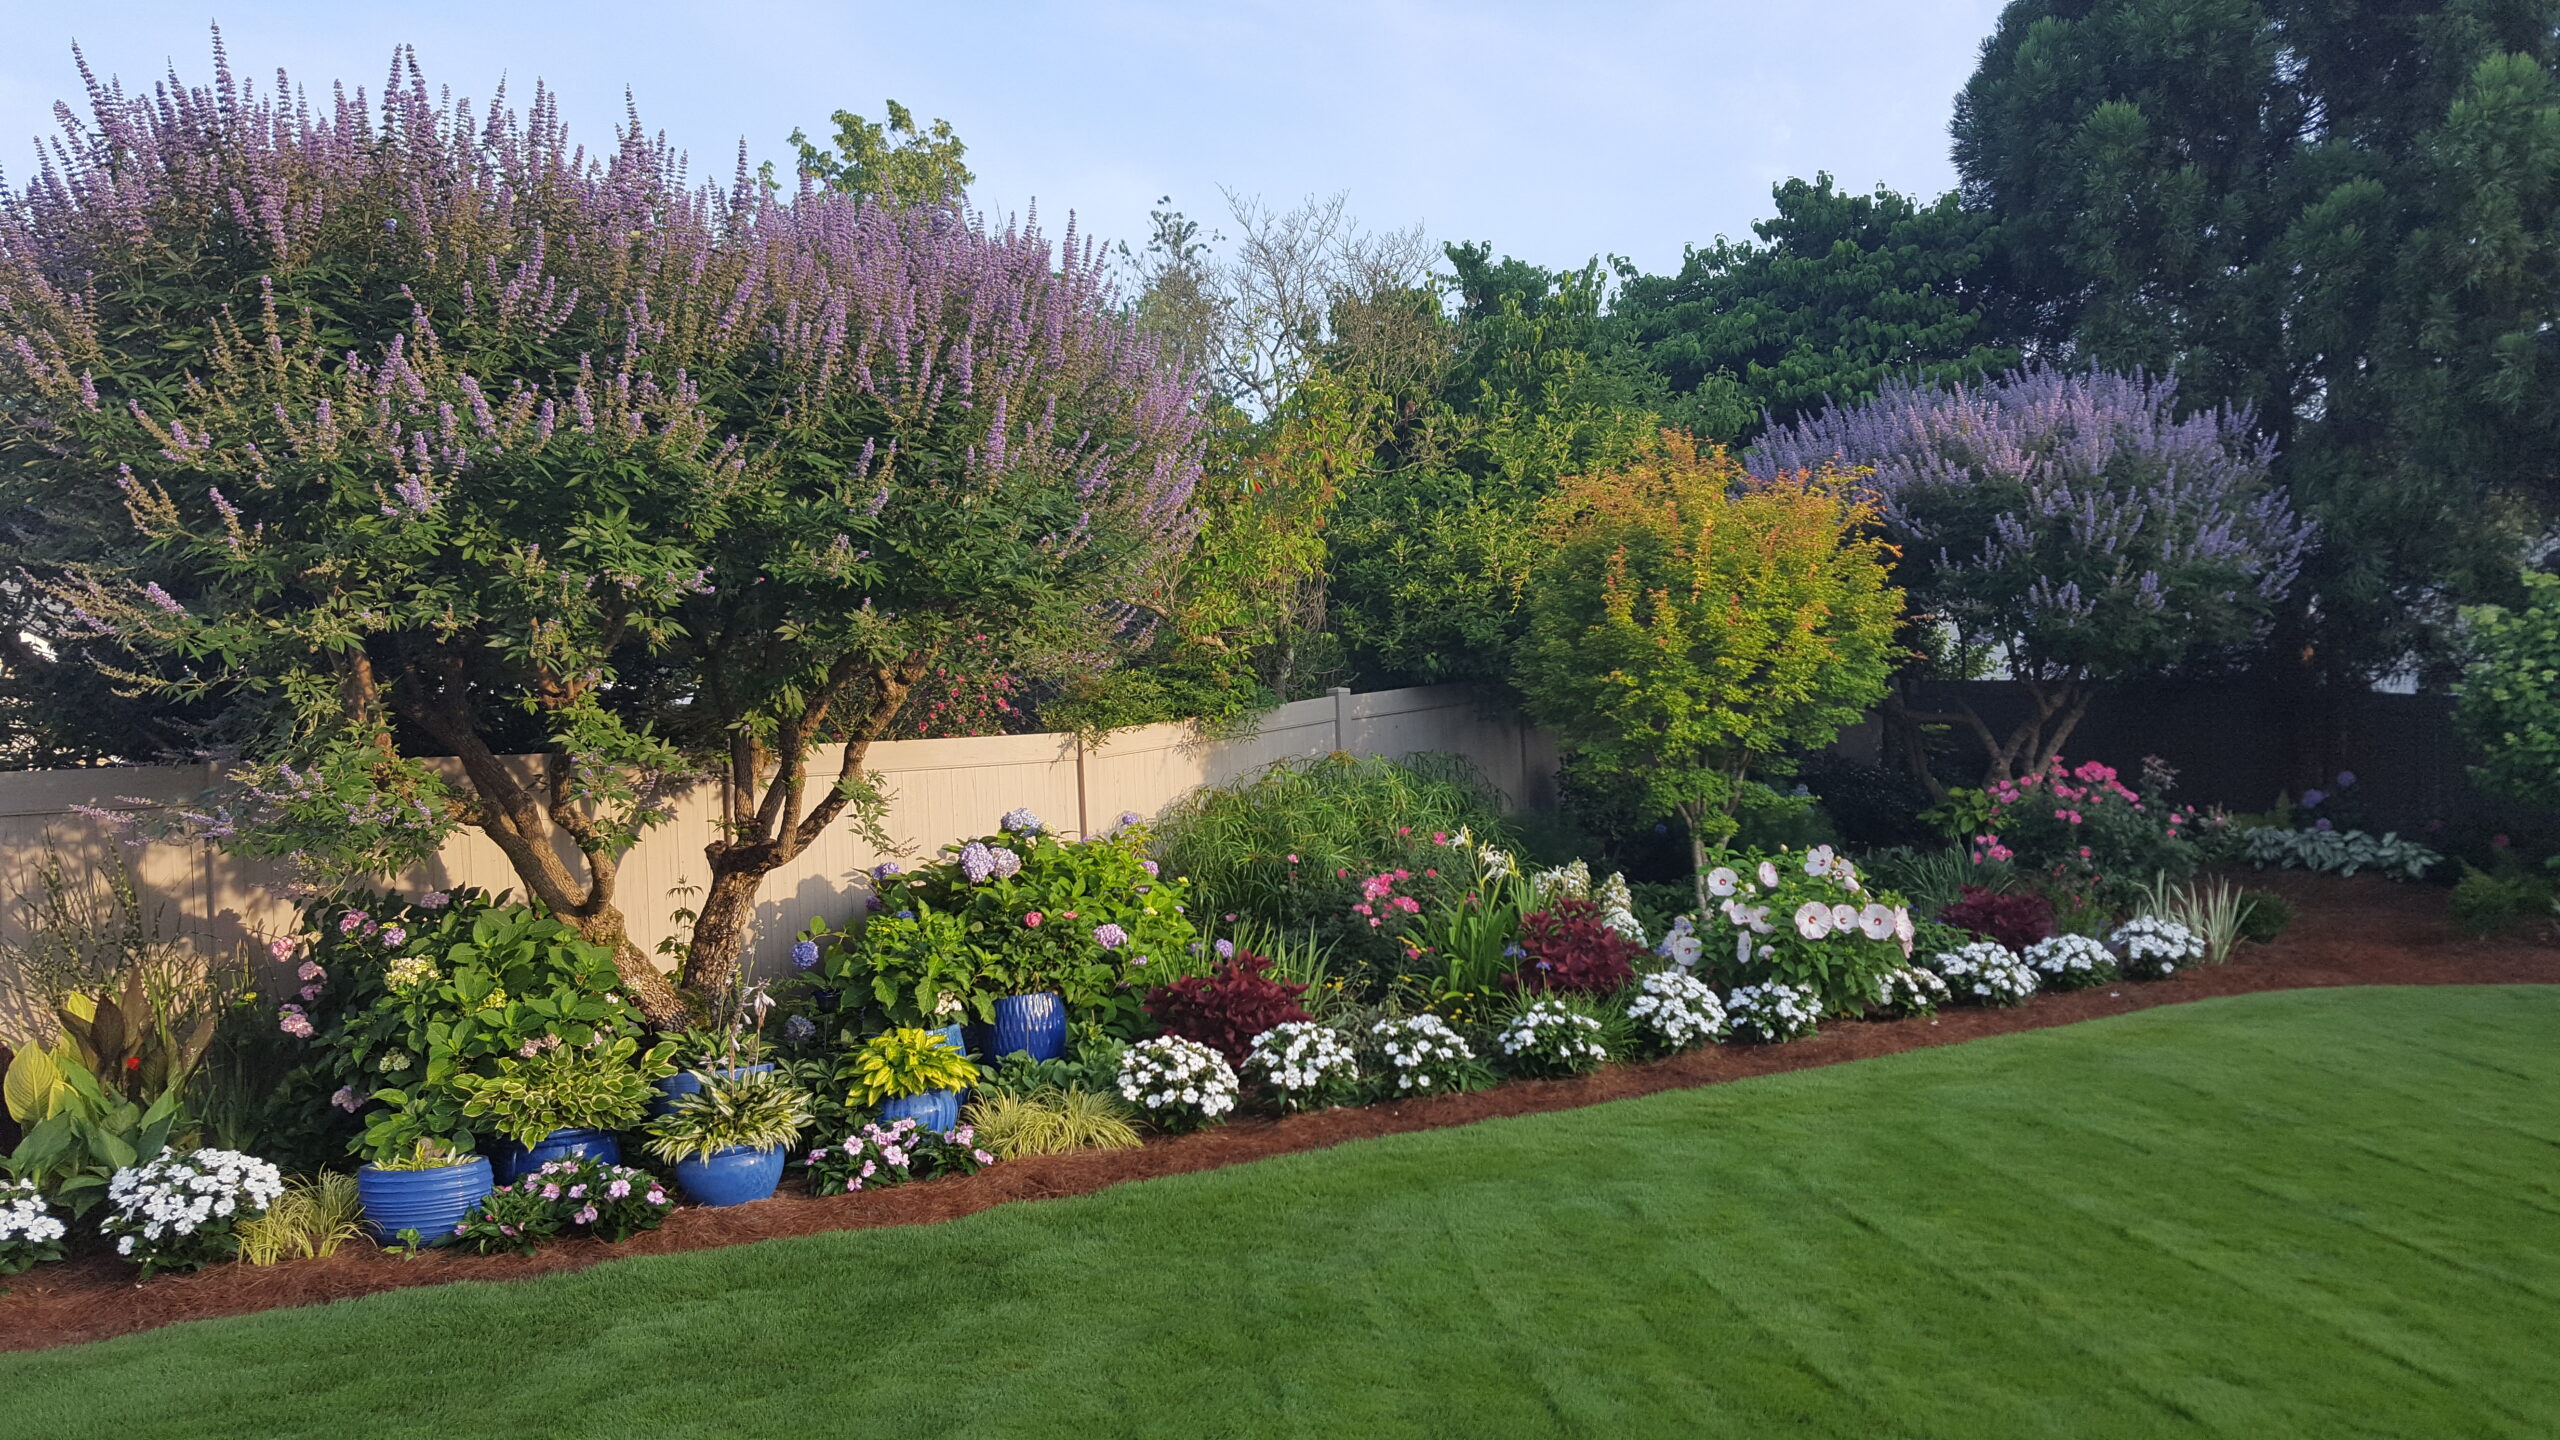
x=733, y=1176
x=933, y=1110
x=431, y=1202
x=511, y=1161
x=1035, y=1025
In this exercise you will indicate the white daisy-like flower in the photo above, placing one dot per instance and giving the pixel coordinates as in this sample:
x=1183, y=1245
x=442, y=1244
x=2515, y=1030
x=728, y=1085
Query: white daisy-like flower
x=1721, y=880
x=1813, y=920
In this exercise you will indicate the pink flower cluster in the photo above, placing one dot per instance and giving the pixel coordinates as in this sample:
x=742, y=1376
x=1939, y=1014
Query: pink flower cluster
x=1378, y=900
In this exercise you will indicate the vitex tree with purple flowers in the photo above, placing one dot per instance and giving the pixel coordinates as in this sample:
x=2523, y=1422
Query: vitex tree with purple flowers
x=414, y=436
x=2071, y=526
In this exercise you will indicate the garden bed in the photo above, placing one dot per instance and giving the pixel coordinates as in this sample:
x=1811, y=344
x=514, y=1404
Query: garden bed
x=2363, y=931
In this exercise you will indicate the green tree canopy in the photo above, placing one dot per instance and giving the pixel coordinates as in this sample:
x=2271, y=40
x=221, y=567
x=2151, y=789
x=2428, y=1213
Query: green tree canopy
x=893, y=160
x=2343, y=214
x=1843, y=292
x=1690, y=628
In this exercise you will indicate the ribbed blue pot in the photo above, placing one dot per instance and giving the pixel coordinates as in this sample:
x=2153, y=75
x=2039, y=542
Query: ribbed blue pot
x=1035, y=1025
x=733, y=1176
x=511, y=1161
x=685, y=1082
x=934, y=1109
x=431, y=1202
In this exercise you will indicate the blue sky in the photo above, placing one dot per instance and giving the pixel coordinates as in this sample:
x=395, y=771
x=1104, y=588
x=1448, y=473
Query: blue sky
x=1556, y=131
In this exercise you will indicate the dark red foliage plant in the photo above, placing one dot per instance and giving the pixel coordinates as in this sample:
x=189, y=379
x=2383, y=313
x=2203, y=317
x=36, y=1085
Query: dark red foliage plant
x=1226, y=1010
x=2017, y=918
x=1565, y=947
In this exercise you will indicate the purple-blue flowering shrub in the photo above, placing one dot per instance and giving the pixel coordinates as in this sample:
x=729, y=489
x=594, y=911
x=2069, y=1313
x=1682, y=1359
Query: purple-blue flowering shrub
x=2070, y=522
x=555, y=437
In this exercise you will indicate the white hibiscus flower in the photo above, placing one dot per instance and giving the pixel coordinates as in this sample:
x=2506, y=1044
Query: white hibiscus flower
x=1813, y=920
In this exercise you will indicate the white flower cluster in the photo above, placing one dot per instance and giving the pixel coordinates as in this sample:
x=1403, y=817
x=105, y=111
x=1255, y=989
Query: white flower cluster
x=2070, y=962
x=1772, y=1013
x=1984, y=973
x=1565, y=882
x=29, y=1230
x=1304, y=1061
x=1910, y=991
x=171, y=1197
x=1549, y=1035
x=1678, y=1009
x=1426, y=1053
x=1618, y=907
x=2154, y=948
x=1173, y=1079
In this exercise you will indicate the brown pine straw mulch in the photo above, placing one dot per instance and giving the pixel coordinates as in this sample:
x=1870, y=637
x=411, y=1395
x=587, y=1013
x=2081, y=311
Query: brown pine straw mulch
x=2361, y=931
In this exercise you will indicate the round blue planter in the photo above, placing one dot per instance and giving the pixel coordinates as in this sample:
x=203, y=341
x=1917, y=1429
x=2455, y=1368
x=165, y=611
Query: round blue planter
x=733, y=1176
x=431, y=1202
x=933, y=1110
x=1035, y=1025
x=685, y=1082
x=513, y=1161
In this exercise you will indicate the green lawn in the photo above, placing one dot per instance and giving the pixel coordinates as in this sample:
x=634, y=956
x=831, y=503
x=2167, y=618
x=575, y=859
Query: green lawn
x=2327, y=1214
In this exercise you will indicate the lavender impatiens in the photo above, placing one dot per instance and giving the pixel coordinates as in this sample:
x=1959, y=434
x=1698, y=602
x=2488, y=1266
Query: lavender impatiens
x=2070, y=525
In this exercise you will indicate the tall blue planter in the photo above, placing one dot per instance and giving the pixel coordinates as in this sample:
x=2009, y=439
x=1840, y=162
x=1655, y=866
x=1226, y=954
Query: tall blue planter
x=685, y=1082
x=934, y=1109
x=511, y=1161
x=731, y=1177
x=431, y=1202
x=1035, y=1025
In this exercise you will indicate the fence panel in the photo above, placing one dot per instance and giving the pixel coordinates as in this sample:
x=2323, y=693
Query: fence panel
x=938, y=789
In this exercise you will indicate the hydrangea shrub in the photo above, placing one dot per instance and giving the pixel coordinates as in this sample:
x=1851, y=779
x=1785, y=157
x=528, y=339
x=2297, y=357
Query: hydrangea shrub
x=1013, y=913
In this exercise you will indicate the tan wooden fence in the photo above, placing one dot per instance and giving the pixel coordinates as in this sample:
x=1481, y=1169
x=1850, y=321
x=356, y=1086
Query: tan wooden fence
x=940, y=790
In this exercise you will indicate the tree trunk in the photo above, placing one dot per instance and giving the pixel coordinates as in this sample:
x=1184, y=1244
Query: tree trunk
x=1691, y=817
x=780, y=827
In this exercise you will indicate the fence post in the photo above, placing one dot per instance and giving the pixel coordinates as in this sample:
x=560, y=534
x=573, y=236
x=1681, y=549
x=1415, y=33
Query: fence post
x=1084, y=824
x=1342, y=717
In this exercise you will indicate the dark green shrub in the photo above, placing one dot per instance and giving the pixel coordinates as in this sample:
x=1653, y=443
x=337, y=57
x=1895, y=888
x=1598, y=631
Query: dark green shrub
x=2264, y=914
x=2484, y=904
